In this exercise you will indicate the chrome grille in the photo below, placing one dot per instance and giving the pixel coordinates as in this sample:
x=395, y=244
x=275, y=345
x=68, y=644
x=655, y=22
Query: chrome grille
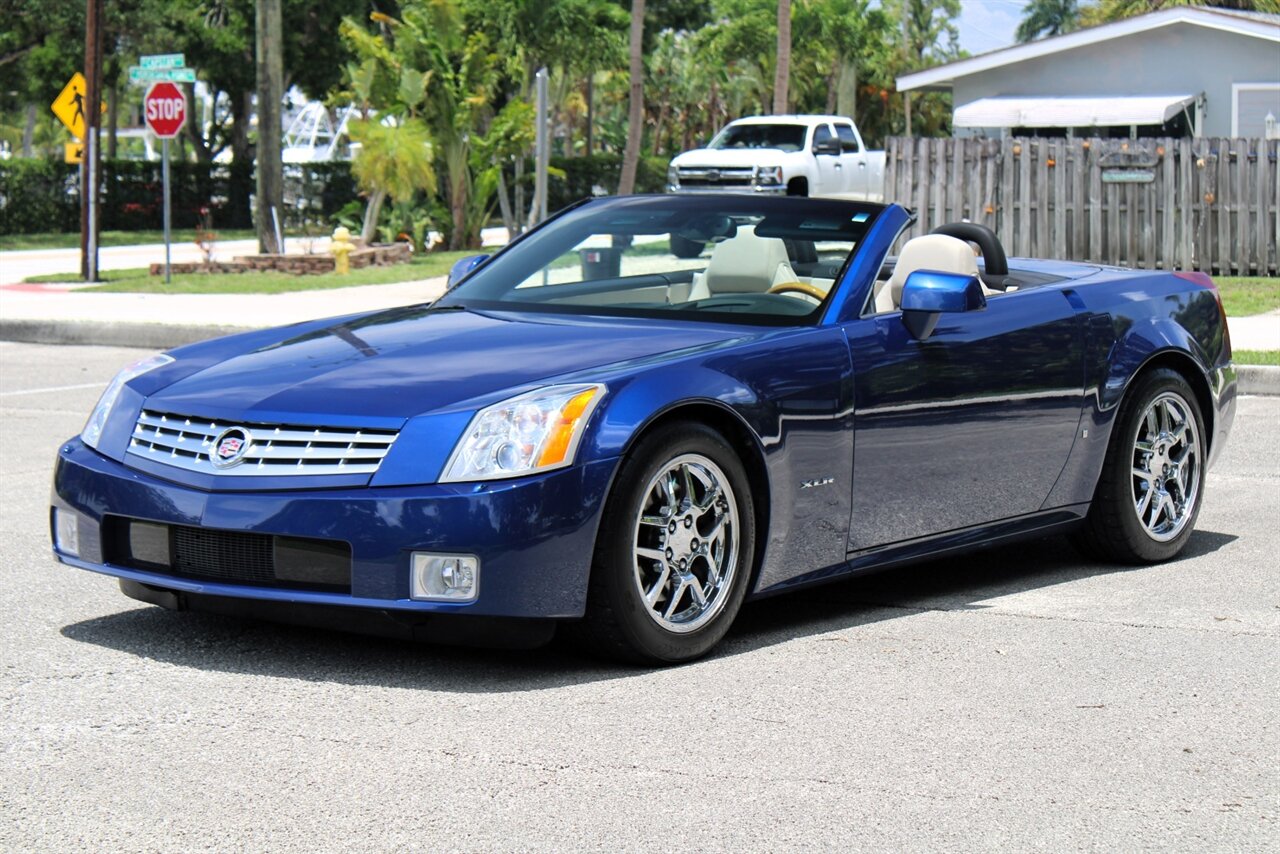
x=273, y=449
x=711, y=177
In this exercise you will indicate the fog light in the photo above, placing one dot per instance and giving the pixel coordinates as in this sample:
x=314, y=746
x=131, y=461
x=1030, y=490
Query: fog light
x=445, y=578
x=66, y=532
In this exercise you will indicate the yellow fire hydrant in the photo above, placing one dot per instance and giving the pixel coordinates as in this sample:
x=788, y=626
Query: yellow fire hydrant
x=341, y=248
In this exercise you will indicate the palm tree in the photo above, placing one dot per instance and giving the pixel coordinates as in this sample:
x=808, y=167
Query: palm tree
x=782, y=70
x=635, y=112
x=1041, y=18
x=394, y=161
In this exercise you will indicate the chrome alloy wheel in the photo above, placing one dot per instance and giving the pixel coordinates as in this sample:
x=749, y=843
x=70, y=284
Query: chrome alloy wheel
x=686, y=543
x=1166, y=467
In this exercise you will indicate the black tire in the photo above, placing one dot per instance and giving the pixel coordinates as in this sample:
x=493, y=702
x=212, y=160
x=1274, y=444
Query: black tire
x=683, y=247
x=618, y=622
x=798, y=187
x=1114, y=530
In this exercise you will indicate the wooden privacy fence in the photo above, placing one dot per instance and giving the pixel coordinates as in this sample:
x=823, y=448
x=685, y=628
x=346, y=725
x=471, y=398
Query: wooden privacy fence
x=1173, y=204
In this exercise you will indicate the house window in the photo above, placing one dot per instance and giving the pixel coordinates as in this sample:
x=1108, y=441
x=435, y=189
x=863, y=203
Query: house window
x=1250, y=103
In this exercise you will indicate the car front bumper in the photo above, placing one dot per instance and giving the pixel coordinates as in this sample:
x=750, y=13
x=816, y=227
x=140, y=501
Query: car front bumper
x=534, y=536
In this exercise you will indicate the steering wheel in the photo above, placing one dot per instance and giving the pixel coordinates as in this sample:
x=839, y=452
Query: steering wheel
x=800, y=288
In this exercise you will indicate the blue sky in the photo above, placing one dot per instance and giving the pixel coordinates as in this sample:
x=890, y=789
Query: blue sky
x=987, y=25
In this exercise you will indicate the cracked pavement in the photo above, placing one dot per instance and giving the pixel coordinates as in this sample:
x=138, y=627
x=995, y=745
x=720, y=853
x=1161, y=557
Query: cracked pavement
x=1022, y=698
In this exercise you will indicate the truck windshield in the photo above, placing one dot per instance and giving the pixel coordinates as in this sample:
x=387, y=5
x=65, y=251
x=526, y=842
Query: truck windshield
x=781, y=137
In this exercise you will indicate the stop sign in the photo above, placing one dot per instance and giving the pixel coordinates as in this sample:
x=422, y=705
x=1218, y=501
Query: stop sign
x=165, y=110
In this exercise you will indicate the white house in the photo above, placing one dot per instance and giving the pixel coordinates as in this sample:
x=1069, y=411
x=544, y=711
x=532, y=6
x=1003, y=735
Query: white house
x=1190, y=71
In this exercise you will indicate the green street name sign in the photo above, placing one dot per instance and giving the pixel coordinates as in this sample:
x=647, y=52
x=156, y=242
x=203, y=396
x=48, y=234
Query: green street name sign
x=138, y=74
x=163, y=60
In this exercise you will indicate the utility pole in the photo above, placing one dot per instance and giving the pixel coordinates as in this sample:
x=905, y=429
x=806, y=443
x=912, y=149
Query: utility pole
x=92, y=163
x=269, y=47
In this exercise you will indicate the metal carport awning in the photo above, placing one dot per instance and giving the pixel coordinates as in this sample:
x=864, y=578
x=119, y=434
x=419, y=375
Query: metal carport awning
x=1074, y=112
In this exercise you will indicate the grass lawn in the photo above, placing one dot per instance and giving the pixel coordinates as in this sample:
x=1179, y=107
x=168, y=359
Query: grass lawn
x=1245, y=295
x=139, y=280
x=71, y=240
x=1256, y=357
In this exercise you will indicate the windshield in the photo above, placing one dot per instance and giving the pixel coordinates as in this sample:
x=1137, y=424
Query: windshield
x=754, y=260
x=781, y=137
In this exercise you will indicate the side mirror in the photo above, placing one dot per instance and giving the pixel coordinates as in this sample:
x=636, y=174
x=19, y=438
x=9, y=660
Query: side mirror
x=463, y=267
x=827, y=146
x=928, y=293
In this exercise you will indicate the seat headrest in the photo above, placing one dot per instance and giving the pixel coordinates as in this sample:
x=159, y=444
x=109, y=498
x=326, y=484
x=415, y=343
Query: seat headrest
x=931, y=252
x=745, y=263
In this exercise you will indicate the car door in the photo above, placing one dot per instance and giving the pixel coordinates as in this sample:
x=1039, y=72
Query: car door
x=830, y=169
x=853, y=161
x=969, y=426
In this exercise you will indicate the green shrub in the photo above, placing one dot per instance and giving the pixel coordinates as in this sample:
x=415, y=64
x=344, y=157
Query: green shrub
x=38, y=195
x=43, y=195
x=583, y=176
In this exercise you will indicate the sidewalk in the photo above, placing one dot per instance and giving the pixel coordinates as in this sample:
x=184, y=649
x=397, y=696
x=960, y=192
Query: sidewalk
x=64, y=314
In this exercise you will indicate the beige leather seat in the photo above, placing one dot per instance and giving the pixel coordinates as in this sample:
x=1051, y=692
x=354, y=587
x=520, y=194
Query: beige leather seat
x=927, y=252
x=744, y=264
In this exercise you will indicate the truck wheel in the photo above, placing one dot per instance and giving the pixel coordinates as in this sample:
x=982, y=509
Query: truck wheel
x=798, y=187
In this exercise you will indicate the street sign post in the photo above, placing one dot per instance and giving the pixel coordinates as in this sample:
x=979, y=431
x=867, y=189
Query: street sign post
x=162, y=68
x=165, y=110
x=163, y=60
x=161, y=75
x=69, y=107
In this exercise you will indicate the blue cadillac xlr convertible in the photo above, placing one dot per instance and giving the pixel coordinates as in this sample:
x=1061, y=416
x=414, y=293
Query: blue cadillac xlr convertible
x=646, y=411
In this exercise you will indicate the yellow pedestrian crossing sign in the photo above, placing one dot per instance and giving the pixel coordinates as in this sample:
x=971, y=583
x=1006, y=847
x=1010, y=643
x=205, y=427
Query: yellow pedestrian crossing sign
x=73, y=152
x=69, y=105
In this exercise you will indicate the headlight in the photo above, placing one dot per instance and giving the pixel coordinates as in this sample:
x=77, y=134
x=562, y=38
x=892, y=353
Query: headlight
x=92, y=431
x=673, y=176
x=534, y=432
x=768, y=174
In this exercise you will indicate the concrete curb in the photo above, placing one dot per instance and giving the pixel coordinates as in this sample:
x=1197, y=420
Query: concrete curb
x=1259, y=379
x=1254, y=379
x=152, y=336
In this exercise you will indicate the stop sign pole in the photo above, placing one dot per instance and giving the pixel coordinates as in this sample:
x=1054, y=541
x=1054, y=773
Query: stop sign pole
x=165, y=111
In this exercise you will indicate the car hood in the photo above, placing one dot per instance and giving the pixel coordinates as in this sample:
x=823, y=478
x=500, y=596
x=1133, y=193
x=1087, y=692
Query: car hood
x=731, y=157
x=388, y=366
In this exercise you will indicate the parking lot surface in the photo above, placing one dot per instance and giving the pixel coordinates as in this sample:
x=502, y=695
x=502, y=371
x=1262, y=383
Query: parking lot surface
x=1022, y=698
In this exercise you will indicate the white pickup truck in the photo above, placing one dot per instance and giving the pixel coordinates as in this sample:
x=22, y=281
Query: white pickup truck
x=786, y=155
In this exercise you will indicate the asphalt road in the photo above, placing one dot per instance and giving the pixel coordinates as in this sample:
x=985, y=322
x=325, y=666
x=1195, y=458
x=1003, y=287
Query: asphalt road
x=1021, y=699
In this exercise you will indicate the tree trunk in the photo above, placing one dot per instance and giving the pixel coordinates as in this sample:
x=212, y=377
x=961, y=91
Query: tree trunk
x=372, y=211
x=635, y=112
x=657, y=129
x=589, y=146
x=241, y=105
x=504, y=205
x=519, y=193
x=847, y=89
x=113, y=119
x=782, y=71
x=194, y=130
x=29, y=131
x=270, y=73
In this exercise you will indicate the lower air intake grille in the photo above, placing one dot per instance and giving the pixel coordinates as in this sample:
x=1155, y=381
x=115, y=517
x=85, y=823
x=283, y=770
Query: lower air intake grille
x=234, y=557
x=245, y=558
